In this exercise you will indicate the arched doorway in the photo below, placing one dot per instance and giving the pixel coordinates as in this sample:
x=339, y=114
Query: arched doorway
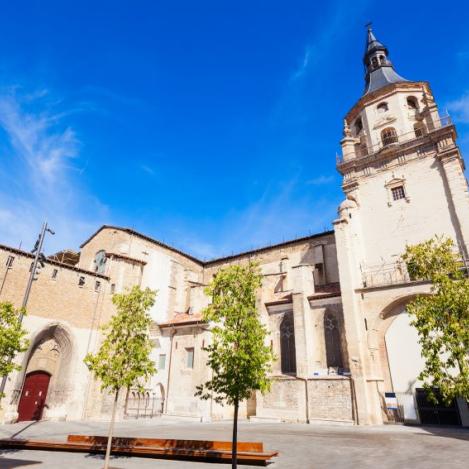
x=405, y=362
x=48, y=372
x=33, y=396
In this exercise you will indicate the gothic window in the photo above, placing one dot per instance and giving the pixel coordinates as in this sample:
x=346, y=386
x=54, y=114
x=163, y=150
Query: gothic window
x=382, y=59
x=332, y=337
x=100, y=262
x=382, y=107
x=388, y=136
x=287, y=344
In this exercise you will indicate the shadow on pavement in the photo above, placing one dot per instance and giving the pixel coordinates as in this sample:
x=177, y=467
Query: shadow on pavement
x=458, y=433
x=28, y=425
x=7, y=463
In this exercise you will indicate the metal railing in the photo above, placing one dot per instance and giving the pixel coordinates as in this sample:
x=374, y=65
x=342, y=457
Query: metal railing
x=143, y=405
x=364, y=149
x=385, y=274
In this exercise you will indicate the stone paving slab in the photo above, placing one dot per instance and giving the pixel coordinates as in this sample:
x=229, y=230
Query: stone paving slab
x=301, y=446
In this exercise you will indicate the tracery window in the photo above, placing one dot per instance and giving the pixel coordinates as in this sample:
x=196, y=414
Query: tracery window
x=388, y=136
x=332, y=337
x=100, y=262
x=287, y=344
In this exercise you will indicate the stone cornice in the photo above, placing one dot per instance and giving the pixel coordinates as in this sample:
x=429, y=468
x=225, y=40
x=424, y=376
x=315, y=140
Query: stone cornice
x=384, y=92
x=393, y=152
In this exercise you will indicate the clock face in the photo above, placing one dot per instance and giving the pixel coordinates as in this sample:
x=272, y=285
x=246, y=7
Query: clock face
x=100, y=262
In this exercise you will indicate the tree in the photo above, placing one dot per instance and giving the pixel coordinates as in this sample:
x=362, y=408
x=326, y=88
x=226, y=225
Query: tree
x=442, y=318
x=12, y=338
x=237, y=355
x=123, y=360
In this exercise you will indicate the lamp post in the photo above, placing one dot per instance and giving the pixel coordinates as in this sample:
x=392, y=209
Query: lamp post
x=39, y=258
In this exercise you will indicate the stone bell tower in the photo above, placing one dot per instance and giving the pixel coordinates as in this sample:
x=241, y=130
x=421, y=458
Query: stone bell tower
x=403, y=182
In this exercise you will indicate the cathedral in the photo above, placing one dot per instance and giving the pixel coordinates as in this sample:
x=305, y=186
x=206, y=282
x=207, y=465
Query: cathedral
x=333, y=302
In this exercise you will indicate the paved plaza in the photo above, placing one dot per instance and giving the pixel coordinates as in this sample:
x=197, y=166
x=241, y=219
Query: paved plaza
x=300, y=446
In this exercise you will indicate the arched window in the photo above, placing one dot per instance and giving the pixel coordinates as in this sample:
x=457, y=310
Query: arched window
x=412, y=103
x=382, y=59
x=374, y=61
x=287, y=344
x=358, y=125
x=332, y=337
x=100, y=262
x=388, y=136
x=382, y=107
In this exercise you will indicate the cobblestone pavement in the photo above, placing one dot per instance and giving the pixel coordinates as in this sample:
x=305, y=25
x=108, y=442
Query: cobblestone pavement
x=301, y=446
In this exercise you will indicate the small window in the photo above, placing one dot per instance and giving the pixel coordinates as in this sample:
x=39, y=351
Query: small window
x=412, y=103
x=389, y=135
x=374, y=61
x=190, y=357
x=55, y=272
x=398, y=193
x=419, y=130
x=81, y=281
x=9, y=262
x=358, y=125
x=97, y=286
x=382, y=107
x=162, y=361
x=31, y=266
x=382, y=59
x=113, y=288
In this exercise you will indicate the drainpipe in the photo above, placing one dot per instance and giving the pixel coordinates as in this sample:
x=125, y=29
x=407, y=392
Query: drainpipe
x=306, y=397
x=173, y=333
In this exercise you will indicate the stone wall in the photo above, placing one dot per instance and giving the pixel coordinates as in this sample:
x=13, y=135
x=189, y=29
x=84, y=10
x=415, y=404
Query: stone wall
x=329, y=398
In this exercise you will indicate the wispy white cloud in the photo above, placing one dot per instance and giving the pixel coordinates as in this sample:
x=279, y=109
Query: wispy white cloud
x=40, y=155
x=301, y=70
x=321, y=180
x=147, y=169
x=277, y=215
x=460, y=108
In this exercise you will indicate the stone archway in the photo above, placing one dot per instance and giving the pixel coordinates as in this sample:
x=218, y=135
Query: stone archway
x=400, y=358
x=50, y=353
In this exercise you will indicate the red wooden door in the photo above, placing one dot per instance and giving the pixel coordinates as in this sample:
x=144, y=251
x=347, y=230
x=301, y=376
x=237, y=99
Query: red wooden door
x=33, y=396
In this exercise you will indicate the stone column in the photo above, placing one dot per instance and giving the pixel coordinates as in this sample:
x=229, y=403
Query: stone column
x=367, y=407
x=303, y=286
x=456, y=184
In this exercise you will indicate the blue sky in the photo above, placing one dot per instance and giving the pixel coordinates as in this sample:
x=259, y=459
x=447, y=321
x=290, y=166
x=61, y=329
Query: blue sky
x=210, y=125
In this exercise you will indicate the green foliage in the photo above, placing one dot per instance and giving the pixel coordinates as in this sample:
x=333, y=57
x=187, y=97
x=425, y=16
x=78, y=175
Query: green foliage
x=123, y=359
x=238, y=356
x=12, y=338
x=442, y=318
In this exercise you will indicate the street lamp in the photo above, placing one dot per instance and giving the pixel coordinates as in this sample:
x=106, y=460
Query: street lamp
x=40, y=259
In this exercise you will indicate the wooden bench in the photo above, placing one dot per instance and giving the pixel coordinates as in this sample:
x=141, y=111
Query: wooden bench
x=196, y=450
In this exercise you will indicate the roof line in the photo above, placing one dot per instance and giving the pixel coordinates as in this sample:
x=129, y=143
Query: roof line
x=48, y=260
x=217, y=259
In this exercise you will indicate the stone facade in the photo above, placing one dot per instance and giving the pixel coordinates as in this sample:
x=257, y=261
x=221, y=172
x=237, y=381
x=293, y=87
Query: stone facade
x=330, y=300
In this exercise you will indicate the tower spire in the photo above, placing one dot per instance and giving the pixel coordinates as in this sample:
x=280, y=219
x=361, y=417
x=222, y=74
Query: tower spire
x=379, y=70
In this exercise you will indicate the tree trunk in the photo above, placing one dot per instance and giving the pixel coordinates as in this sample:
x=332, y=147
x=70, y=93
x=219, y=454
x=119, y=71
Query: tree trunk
x=234, y=447
x=111, y=429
